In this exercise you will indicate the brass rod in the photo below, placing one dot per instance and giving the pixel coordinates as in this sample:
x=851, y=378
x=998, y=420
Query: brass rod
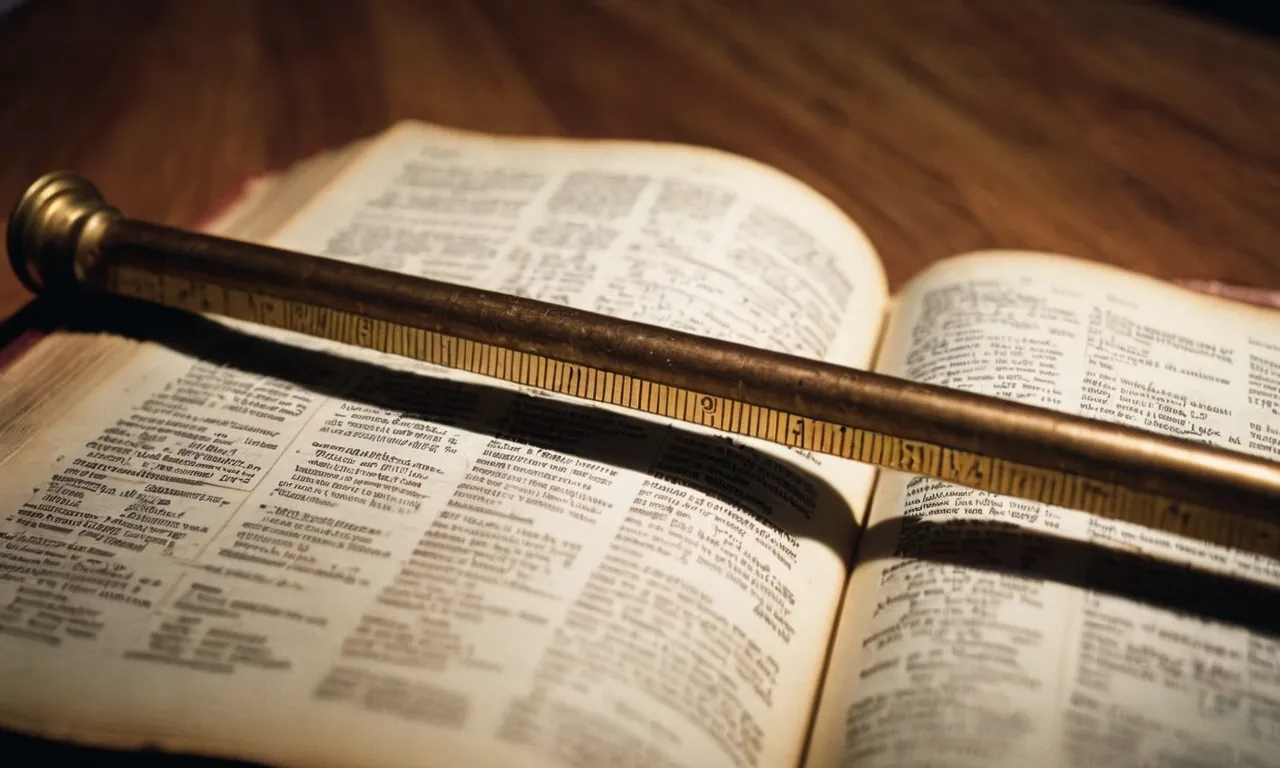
x=63, y=238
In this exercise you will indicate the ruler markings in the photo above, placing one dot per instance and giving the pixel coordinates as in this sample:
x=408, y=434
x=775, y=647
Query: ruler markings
x=887, y=451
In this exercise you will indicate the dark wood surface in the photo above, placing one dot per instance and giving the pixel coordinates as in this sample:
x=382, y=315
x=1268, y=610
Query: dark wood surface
x=1125, y=132
x=1119, y=131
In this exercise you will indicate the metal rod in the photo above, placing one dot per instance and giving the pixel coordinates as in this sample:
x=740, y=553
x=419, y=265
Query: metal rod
x=64, y=238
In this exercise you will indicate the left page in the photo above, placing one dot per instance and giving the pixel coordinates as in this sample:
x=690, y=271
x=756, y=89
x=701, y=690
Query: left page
x=258, y=545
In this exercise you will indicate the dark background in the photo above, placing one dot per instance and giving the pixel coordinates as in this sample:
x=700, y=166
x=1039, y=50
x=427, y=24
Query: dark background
x=1142, y=134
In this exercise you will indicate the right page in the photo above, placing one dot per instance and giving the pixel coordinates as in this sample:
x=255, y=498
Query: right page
x=980, y=630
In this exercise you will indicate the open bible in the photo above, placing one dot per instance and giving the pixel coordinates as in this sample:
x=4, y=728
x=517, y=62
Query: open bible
x=223, y=539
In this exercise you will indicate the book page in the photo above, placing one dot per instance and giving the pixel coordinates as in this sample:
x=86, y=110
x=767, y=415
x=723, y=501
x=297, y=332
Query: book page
x=988, y=631
x=264, y=546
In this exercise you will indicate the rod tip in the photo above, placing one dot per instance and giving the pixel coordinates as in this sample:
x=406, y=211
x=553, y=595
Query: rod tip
x=58, y=218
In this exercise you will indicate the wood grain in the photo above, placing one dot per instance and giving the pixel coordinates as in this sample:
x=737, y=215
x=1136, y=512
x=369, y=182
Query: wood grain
x=1123, y=132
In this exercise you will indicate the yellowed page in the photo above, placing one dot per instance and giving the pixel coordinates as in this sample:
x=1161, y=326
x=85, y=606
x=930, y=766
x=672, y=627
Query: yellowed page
x=308, y=555
x=986, y=631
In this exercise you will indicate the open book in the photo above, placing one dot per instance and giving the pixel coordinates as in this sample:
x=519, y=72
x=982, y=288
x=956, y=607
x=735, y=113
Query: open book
x=230, y=540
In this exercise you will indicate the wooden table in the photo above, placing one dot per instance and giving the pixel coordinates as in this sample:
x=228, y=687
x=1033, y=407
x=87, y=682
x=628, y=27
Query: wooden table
x=1118, y=131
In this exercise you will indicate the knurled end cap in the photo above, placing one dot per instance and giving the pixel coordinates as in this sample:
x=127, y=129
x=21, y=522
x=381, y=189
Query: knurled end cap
x=56, y=218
